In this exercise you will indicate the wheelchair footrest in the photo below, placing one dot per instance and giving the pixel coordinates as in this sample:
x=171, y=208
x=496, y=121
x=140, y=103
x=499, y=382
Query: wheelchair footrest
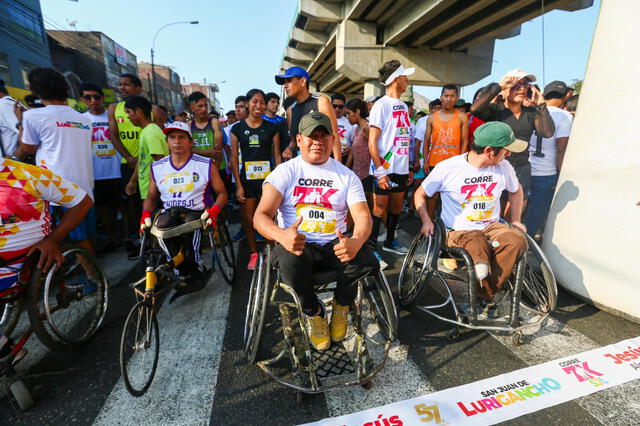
x=333, y=362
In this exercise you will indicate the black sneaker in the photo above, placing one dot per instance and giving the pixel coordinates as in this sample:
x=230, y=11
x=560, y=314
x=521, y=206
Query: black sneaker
x=133, y=250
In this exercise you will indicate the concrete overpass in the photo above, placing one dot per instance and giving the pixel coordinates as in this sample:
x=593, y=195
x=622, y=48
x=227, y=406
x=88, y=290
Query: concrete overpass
x=342, y=43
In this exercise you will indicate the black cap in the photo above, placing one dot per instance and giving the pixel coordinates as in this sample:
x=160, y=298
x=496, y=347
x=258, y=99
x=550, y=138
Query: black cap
x=556, y=86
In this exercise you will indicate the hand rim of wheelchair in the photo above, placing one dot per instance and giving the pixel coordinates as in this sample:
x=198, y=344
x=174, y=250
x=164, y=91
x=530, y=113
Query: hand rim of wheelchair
x=310, y=370
x=124, y=360
x=44, y=325
x=433, y=273
x=257, y=306
x=223, y=257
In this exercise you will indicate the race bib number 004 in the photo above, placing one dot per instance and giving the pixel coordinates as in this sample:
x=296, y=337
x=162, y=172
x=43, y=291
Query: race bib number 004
x=316, y=218
x=257, y=170
x=180, y=182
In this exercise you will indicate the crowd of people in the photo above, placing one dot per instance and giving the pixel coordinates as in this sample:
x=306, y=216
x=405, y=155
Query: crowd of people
x=125, y=160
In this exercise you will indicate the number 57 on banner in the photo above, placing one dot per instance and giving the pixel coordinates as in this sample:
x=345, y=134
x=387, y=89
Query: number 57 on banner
x=428, y=413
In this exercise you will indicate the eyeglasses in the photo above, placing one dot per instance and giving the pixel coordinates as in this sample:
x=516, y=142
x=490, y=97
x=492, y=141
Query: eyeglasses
x=88, y=97
x=520, y=84
x=338, y=106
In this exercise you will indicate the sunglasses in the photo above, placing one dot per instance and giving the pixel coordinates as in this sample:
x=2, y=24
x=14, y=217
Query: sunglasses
x=520, y=84
x=338, y=106
x=88, y=97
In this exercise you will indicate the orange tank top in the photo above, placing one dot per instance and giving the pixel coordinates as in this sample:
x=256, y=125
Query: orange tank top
x=445, y=138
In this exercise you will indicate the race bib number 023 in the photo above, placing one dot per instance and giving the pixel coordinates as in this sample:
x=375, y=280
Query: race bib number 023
x=316, y=218
x=180, y=182
x=256, y=170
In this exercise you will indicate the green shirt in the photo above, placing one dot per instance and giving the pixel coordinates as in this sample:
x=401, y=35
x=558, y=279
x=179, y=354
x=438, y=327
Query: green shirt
x=152, y=142
x=129, y=134
x=204, y=139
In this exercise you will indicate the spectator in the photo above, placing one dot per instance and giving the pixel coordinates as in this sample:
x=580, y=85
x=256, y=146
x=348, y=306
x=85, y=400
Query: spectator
x=571, y=104
x=8, y=123
x=60, y=139
x=106, y=163
x=546, y=158
x=271, y=115
x=161, y=116
x=345, y=130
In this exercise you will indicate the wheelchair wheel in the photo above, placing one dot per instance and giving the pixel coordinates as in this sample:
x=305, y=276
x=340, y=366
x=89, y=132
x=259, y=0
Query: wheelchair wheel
x=224, y=256
x=257, y=306
x=380, y=302
x=539, y=288
x=139, y=349
x=418, y=266
x=9, y=315
x=68, y=305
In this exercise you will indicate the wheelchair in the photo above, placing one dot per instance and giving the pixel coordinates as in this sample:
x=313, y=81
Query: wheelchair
x=531, y=291
x=65, y=306
x=353, y=362
x=140, y=341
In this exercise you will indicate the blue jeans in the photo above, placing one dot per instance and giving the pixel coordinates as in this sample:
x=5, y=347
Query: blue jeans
x=542, y=189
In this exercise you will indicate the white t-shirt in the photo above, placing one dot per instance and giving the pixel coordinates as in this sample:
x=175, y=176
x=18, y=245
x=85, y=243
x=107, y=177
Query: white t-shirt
x=106, y=160
x=321, y=194
x=470, y=196
x=421, y=127
x=64, y=139
x=187, y=186
x=345, y=130
x=546, y=166
x=391, y=116
x=8, y=130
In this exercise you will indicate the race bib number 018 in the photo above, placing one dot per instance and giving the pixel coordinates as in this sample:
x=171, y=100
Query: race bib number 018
x=316, y=218
x=256, y=170
x=103, y=149
x=180, y=182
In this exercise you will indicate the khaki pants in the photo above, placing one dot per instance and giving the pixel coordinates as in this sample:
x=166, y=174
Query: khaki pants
x=501, y=260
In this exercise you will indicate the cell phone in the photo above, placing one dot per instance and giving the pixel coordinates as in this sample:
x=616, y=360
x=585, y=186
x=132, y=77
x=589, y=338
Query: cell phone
x=530, y=93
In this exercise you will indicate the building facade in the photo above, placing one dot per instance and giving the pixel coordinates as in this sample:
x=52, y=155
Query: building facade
x=168, y=89
x=90, y=56
x=209, y=90
x=23, y=42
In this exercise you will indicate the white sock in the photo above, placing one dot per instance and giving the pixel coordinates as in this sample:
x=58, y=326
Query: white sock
x=482, y=270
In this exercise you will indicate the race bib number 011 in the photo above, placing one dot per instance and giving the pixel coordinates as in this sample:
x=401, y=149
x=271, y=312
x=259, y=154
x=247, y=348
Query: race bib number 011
x=180, y=182
x=256, y=170
x=316, y=218
x=103, y=149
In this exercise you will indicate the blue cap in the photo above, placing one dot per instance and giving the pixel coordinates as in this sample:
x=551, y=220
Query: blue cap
x=292, y=72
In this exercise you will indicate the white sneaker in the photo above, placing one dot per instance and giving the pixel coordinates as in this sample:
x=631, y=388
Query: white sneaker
x=383, y=265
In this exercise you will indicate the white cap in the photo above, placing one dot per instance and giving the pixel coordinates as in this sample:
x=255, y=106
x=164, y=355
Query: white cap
x=178, y=125
x=520, y=73
x=400, y=71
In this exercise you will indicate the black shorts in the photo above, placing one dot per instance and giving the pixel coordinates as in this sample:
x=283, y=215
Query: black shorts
x=126, y=172
x=367, y=184
x=252, y=188
x=399, y=180
x=106, y=191
x=523, y=173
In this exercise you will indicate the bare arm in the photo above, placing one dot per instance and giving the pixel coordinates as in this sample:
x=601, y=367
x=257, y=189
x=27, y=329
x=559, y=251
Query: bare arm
x=218, y=187
x=265, y=212
x=276, y=148
x=374, y=135
x=153, y=195
x=235, y=168
x=24, y=150
x=426, y=146
x=420, y=201
x=115, y=138
x=561, y=148
x=361, y=222
x=464, y=132
x=516, y=201
x=325, y=107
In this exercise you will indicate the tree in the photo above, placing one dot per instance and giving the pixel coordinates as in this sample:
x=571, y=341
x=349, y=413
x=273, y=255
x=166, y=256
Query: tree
x=577, y=86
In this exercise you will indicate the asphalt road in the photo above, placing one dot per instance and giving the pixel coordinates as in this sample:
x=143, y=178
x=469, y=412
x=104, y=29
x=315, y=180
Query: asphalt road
x=203, y=378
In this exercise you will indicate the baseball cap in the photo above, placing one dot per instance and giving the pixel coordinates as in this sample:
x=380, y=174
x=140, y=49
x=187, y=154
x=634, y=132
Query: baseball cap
x=498, y=135
x=556, y=86
x=292, y=72
x=312, y=121
x=178, y=125
x=520, y=73
x=460, y=102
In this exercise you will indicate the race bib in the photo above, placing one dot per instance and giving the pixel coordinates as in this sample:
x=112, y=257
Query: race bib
x=316, y=218
x=179, y=182
x=103, y=149
x=402, y=145
x=256, y=170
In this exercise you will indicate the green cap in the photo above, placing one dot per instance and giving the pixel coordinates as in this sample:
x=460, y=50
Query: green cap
x=312, y=121
x=498, y=135
x=460, y=102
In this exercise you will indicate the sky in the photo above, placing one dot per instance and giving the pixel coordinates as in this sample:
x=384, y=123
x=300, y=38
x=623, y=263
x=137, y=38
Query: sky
x=241, y=42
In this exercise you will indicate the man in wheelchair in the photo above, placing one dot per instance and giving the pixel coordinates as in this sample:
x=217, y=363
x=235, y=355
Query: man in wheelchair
x=313, y=194
x=186, y=184
x=470, y=186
